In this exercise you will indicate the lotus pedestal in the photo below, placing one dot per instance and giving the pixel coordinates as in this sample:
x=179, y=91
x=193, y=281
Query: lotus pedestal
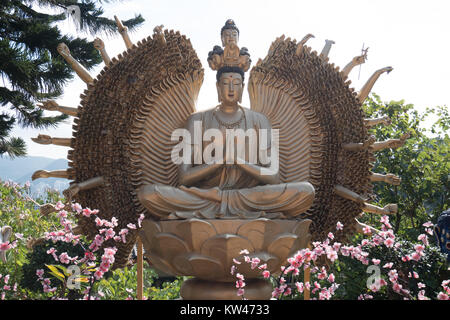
x=205, y=250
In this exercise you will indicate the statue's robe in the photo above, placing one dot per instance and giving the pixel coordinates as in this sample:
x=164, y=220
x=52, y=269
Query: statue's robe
x=229, y=192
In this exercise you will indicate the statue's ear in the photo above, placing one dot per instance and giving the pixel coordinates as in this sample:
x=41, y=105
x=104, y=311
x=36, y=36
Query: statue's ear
x=242, y=92
x=219, y=94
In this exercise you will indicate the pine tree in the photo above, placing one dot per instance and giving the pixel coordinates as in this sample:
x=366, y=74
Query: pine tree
x=30, y=66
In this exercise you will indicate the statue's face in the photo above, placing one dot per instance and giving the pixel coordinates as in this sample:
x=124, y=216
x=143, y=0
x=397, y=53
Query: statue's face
x=230, y=88
x=230, y=37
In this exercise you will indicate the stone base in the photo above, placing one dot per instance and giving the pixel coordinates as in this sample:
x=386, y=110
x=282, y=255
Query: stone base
x=197, y=289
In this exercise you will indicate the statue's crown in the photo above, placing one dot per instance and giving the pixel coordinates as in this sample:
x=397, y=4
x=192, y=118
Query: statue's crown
x=230, y=55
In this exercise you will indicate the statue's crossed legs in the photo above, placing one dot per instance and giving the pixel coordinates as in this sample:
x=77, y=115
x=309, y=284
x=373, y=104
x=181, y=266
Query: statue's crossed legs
x=290, y=199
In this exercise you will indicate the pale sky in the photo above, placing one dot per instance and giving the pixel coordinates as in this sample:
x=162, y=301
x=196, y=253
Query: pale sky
x=411, y=36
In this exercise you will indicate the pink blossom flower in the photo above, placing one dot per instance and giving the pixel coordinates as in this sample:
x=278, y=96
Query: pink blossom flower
x=98, y=274
x=421, y=295
x=332, y=255
x=331, y=235
x=266, y=274
x=389, y=242
x=99, y=222
x=255, y=262
x=240, y=292
x=123, y=234
x=442, y=296
x=388, y=265
x=367, y=230
x=419, y=248
x=62, y=214
x=233, y=269
x=423, y=238
x=131, y=226
x=428, y=224
x=288, y=291
x=420, y=285
x=64, y=258
x=415, y=256
x=339, y=226
x=39, y=273
x=384, y=219
x=236, y=261
x=5, y=246
x=299, y=286
x=140, y=219
x=59, y=205
x=263, y=266
x=109, y=233
x=331, y=278
x=76, y=207
x=245, y=251
x=321, y=276
x=376, y=240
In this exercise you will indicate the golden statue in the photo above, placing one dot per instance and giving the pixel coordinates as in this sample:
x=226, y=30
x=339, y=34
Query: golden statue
x=200, y=213
x=228, y=188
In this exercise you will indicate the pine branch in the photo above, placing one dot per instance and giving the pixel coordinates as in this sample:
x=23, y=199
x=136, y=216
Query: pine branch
x=14, y=147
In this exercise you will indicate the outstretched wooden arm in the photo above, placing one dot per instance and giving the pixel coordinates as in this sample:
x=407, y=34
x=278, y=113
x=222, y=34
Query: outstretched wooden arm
x=364, y=93
x=100, y=46
x=52, y=105
x=80, y=186
x=388, y=209
x=326, y=49
x=50, y=174
x=123, y=32
x=301, y=44
x=64, y=51
x=355, y=146
x=388, y=178
x=391, y=143
x=45, y=139
x=355, y=61
x=369, y=123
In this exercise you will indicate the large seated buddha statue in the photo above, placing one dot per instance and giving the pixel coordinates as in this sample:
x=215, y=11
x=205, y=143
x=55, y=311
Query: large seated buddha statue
x=235, y=182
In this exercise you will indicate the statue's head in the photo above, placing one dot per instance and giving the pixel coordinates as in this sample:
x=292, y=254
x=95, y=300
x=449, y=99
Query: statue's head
x=442, y=232
x=230, y=85
x=229, y=33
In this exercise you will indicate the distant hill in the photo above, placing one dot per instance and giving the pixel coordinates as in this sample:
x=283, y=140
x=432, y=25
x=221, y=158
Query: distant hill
x=20, y=170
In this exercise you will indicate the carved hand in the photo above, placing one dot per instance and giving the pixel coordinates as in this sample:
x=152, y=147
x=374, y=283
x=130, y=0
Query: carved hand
x=397, y=143
x=387, y=121
x=71, y=191
x=63, y=49
x=40, y=174
x=99, y=44
x=392, y=179
x=43, y=139
x=391, y=208
x=50, y=105
x=46, y=209
x=371, y=140
x=360, y=59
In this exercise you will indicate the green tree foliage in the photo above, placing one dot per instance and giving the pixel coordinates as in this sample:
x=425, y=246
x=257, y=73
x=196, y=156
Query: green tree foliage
x=423, y=163
x=30, y=66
